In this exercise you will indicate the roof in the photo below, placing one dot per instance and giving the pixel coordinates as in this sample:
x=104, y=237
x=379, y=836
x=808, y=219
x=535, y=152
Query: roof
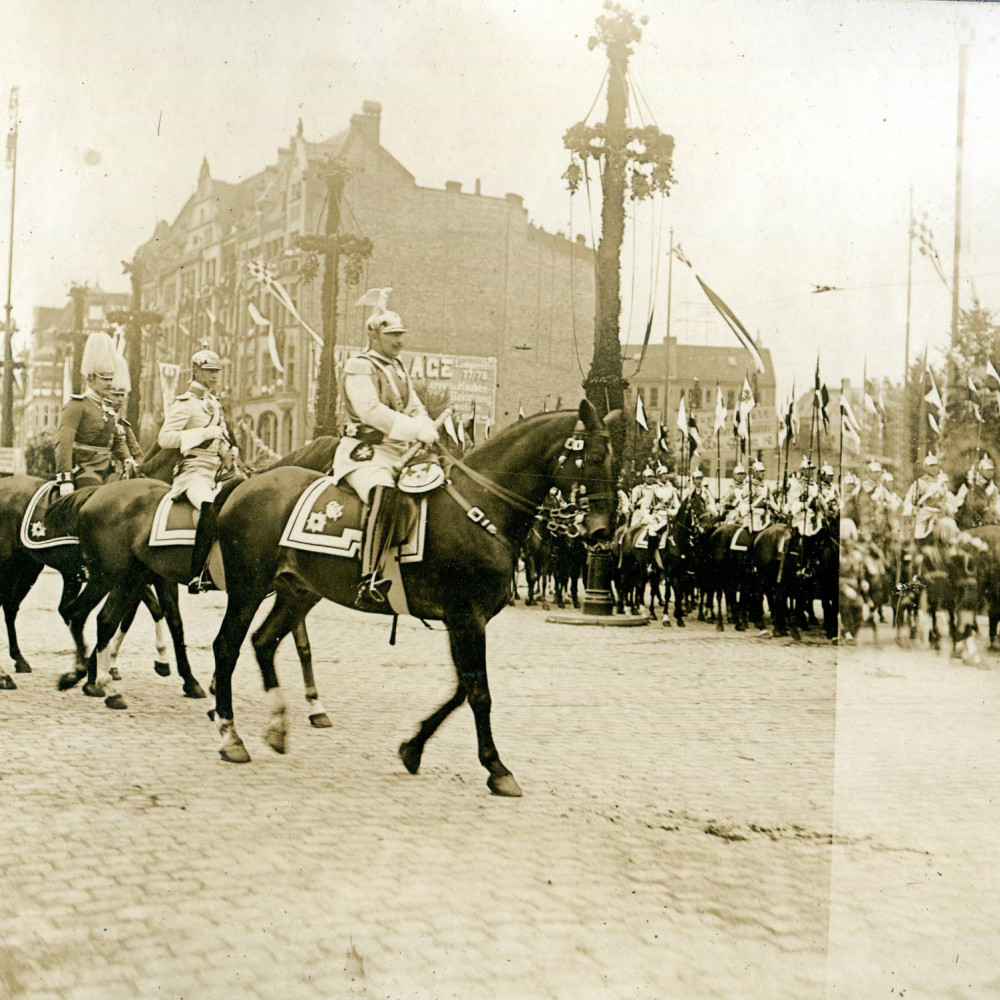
x=691, y=361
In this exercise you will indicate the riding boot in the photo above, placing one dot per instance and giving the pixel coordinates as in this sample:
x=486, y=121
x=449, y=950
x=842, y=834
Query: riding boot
x=373, y=589
x=203, y=537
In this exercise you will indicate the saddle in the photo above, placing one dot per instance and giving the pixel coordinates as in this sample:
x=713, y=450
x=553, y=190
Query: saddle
x=42, y=527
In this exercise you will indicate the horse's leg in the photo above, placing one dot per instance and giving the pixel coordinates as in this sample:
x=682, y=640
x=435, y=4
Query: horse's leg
x=467, y=635
x=317, y=713
x=108, y=619
x=240, y=610
x=76, y=613
x=119, y=637
x=72, y=587
x=290, y=610
x=161, y=664
x=16, y=587
x=167, y=593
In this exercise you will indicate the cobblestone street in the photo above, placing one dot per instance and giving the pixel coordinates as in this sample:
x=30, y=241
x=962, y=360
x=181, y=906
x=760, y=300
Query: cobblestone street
x=704, y=816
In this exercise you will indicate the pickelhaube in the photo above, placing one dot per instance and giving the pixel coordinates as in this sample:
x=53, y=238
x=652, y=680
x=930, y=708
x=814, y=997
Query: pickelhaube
x=888, y=478
x=986, y=465
x=739, y=471
x=826, y=472
x=206, y=359
x=874, y=467
x=98, y=356
x=757, y=469
x=931, y=461
x=382, y=320
x=697, y=474
x=647, y=473
x=661, y=470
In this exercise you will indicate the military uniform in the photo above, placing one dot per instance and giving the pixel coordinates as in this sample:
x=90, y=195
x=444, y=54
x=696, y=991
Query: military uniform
x=191, y=415
x=383, y=416
x=87, y=441
x=706, y=495
x=927, y=499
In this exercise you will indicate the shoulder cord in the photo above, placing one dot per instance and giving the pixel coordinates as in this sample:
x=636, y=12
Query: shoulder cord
x=397, y=397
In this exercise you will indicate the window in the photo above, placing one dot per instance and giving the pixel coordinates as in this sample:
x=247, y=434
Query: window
x=296, y=191
x=731, y=399
x=654, y=396
x=267, y=429
x=290, y=364
x=286, y=433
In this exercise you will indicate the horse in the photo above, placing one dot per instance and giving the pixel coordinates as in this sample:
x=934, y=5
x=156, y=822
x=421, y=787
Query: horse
x=113, y=523
x=646, y=563
x=463, y=579
x=537, y=553
x=977, y=508
x=689, y=530
x=731, y=575
x=20, y=567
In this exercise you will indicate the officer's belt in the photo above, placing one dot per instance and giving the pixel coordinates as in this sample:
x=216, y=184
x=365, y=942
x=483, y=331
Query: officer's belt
x=370, y=435
x=96, y=449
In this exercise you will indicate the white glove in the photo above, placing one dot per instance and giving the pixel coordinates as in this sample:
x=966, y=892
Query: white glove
x=65, y=489
x=214, y=433
x=427, y=433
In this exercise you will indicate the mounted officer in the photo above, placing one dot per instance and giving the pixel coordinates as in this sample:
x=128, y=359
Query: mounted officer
x=732, y=498
x=196, y=426
x=87, y=441
x=928, y=499
x=642, y=498
x=982, y=479
x=384, y=416
x=699, y=488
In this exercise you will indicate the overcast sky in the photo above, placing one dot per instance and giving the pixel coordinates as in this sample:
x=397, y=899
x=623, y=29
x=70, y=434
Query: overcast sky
x=800, y=128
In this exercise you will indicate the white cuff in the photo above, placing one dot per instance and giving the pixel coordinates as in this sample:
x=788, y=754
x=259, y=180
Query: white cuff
x=403, y=428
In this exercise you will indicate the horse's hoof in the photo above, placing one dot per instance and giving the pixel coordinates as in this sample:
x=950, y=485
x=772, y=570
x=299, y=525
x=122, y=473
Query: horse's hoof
x=276, y=739
x=719, y=627
x=161, y=667
x=320, y=721
x=504, y=784
x=235, y=753
x=68, y=680
x=115, y=701
x=92, y=690
x=410, y=756
x=7, y=683
x=115, y=675
x=681, y=623
x=21, y=666
x=192, y=689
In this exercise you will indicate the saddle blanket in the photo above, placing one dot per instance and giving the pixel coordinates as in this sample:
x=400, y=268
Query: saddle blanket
x=327, y=519
x=742, y=539
x=642, y=539
x=35, y=532
x=173, y=523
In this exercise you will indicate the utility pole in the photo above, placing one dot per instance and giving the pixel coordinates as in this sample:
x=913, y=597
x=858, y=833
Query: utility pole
x=332, y=245
x=7, y=415
x=637, y=162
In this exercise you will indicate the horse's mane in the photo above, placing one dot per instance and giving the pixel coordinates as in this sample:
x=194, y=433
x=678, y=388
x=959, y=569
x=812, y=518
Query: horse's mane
x=159, y=463
x=501, y=442
x=62, y=512
x=317, y=455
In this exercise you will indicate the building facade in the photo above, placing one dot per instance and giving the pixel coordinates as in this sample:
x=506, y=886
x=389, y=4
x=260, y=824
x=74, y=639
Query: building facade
x=471, y=276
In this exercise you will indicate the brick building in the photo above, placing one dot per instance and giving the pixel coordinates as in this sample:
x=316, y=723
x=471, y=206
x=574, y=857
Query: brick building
x=471, y=276
x=670, y=368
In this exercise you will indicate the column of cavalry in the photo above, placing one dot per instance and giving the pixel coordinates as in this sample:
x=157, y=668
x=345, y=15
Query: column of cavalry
x=727, y=558
x=383, y=519
x=936, y=548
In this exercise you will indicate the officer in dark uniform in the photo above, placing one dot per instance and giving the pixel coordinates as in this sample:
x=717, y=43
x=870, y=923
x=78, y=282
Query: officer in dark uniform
x=87, y=441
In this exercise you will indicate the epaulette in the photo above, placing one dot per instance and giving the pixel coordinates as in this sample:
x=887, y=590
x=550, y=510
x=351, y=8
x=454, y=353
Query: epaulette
x=123, y=420
x=359, y=365
x=77, y=396
x=184, y=395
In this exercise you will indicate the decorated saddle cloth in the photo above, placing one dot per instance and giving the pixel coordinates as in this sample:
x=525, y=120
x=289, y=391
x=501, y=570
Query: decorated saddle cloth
x=174, y=522
x=656, y=529
x=38, y=529
x=327, y=518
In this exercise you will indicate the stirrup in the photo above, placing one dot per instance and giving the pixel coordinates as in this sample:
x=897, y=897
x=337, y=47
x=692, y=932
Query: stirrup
x=373, y=592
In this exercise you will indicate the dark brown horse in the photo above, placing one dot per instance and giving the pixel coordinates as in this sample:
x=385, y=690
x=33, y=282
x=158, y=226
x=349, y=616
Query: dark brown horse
x=463, y=579
x=20, y=567
x=113, y=523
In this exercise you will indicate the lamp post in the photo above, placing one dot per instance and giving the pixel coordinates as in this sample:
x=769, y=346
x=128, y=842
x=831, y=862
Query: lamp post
x=7, y=416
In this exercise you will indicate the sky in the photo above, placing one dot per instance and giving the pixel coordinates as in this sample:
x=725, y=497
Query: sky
x=801, y=129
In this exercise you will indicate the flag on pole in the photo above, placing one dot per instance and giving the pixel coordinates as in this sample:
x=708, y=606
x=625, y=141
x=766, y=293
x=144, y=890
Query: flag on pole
x=661, y=438
x=267, y=276
x=974, y=401
x=848, y=431
x=735, y=325
x=850, y=419
x=932, y=396
x=870, y=405
x=640, y=412
x=682, y=420
x=520, y=410
x=471, y=429
x=461, y=435
x=991, y=372
x=747, y=403
x=449, y=427
x=694, y=436
x=257, y=316
x=932, y=420
x=720, y=410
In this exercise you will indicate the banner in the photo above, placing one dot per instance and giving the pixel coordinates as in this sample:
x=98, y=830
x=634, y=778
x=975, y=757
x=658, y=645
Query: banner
x=169, y=376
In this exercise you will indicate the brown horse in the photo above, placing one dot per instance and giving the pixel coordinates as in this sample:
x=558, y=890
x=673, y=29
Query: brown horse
x=113, y=523
x=463, y=579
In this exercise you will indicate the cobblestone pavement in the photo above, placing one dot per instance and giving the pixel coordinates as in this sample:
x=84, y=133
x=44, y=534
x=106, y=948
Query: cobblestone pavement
x=687, y=829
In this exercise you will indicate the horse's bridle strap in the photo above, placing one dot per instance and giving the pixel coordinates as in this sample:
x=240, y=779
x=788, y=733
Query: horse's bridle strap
x=475, y=514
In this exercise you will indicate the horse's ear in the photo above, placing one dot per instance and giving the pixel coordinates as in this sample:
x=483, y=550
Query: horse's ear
x=588, y=414
x=612, y=418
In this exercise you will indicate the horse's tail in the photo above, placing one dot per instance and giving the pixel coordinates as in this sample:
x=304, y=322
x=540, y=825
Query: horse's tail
x=63, y=512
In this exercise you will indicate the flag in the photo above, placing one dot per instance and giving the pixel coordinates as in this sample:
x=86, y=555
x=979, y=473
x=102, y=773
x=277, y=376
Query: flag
x=932, y=420
x=267, y=276
x=640, y=412
x=257, y=316
x=661, y=438
x=694, y=437
x=932, y=397
x=682, y=420
x=461, y=435
x=735, y=325
x=974, y=401
x=211, y=316
x=870, y=406
x=850, y=419
x=272, y=350
x=848, y=430
x=471, y=427
x=520, y=410
x=720, y=410
x=449, y=427
x=991, y=372
x=184, y=330
x=747, y=402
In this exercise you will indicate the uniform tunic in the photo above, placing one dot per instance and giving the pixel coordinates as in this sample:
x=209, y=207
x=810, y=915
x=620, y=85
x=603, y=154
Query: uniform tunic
x=927, y=499
x=86, y=440
x=191, y=414
x=383, y=416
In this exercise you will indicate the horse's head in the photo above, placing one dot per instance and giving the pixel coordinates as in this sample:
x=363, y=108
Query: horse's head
x=585, y=463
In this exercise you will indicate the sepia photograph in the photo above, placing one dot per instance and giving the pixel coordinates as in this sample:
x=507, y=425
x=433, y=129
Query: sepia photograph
x=499, y=501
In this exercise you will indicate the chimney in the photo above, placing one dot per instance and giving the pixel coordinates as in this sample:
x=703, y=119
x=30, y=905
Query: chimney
x=478, y=187
x=453, y=187
x=514, y=200
x=371, y=118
